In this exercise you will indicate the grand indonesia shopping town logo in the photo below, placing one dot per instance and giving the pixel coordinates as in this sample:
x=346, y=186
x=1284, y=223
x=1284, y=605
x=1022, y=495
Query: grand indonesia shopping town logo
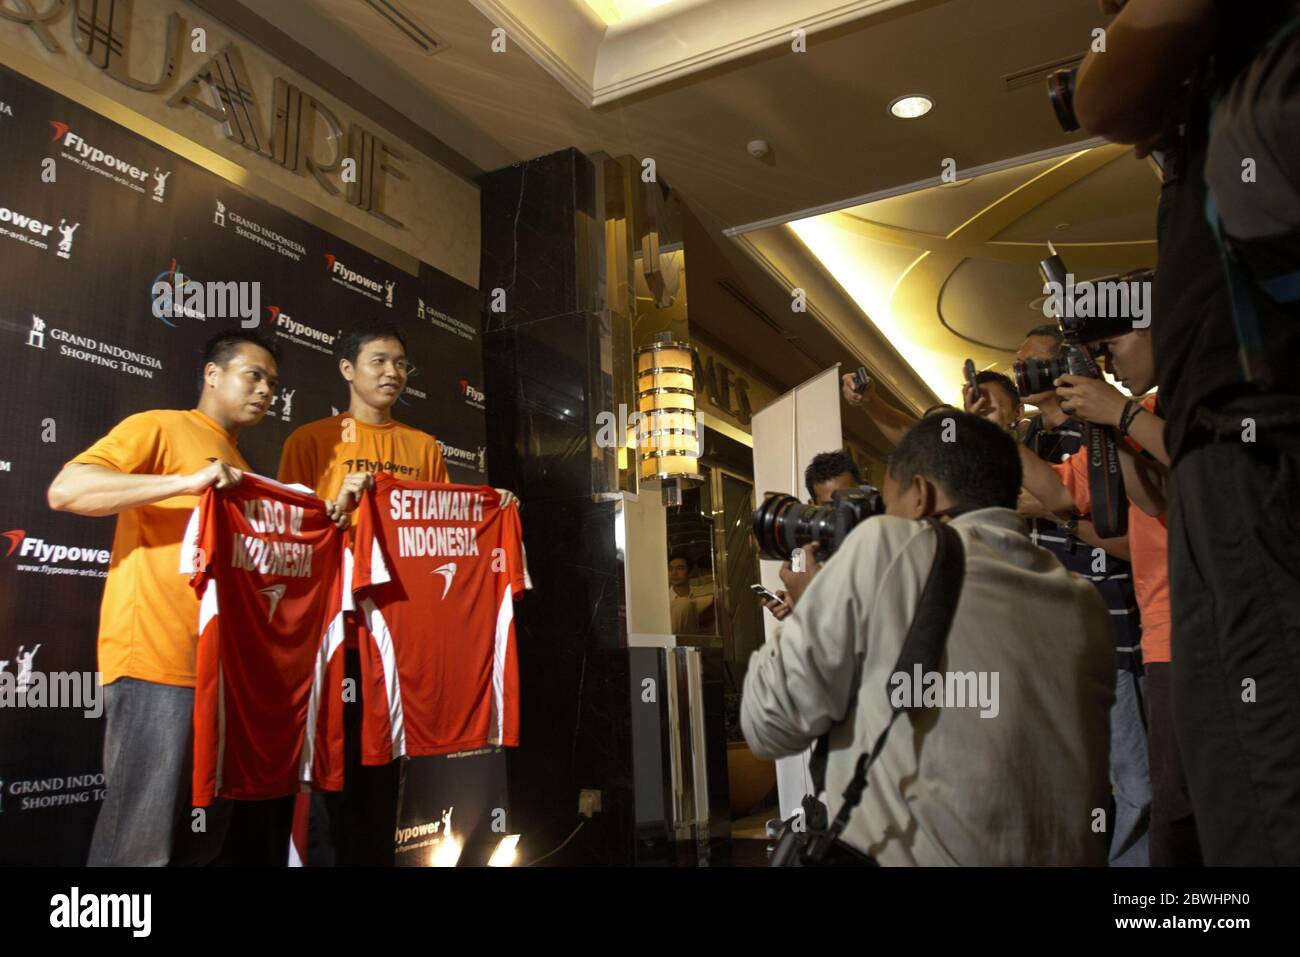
x=425, y=311
x=255, y=232
x=83, y=348
x=35, y=794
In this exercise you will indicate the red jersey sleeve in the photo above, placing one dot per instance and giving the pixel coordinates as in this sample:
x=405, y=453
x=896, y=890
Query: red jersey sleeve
x=513, y=542
x=369, y=566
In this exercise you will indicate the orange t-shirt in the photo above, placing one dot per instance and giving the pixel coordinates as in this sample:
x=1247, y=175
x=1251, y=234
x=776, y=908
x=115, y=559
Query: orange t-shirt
x=1148, y=542
x=320, y=454
x=149, y=618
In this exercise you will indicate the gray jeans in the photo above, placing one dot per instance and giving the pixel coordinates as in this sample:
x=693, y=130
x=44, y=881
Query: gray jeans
x=146, y=819
x=1130, y=779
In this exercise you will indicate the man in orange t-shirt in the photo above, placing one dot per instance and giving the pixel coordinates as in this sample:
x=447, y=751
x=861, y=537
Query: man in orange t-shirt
x=338, y=457
x=1173, y=840
x=149, y=471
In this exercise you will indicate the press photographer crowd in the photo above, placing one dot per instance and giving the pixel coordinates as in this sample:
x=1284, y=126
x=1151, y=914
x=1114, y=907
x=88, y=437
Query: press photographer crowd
x=1066, y=629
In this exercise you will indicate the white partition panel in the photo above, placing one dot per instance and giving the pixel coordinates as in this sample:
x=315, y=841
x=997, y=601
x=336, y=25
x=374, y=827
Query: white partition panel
x=787, y=434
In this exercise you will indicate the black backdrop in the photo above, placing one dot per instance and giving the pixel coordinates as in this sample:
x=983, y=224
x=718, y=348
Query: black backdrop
x=82, y=349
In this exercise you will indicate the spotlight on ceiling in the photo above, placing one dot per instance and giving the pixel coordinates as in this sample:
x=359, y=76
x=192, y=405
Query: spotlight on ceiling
x=912, y=106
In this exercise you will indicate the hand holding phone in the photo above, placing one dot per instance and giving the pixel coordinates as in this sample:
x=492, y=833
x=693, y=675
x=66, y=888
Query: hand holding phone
x=861, y=380
x=762, y=592
x=972, y=386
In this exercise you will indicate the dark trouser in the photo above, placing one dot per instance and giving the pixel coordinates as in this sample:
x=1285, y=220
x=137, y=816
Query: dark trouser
x=146, y=819
x=259, y=834
x=1234, y=569
x=1172, y=832
x=355, y=826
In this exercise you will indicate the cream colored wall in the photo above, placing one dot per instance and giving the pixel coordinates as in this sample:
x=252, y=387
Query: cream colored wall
x=439, y=210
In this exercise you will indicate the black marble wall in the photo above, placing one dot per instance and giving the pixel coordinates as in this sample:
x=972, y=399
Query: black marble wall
x=544, y=389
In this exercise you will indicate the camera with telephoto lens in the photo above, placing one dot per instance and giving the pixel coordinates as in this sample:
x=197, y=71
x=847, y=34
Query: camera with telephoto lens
x=1038, y=375
x=1060, y=90
x=783, y=523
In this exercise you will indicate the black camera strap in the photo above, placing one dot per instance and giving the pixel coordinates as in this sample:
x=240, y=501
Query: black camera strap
x=923, y=646
x=1105, y=481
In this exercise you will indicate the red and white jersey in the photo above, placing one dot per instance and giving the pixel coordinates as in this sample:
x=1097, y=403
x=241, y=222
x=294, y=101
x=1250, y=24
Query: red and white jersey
x=437, y=569
x=271, y=570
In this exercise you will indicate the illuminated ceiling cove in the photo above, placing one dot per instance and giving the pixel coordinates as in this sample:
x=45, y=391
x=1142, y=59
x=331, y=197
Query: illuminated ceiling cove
x=951, y=272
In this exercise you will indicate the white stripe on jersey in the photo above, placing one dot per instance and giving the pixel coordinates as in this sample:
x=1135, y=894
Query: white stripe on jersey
x=207, y=611
x=330, y=642
x=383, y=640
x=505, y=617
x=190, y=548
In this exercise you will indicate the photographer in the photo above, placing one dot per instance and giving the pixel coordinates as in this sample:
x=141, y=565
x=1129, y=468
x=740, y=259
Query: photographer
x=1233, y=428
x=999, y=400
x=1013, y=782
x=1053, y=435
x=826, y=473
x=1065, y=488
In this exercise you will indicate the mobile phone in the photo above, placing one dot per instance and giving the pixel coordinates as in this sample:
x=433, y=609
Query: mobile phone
x=969, y=371
x=762, y=592
x=861, y=380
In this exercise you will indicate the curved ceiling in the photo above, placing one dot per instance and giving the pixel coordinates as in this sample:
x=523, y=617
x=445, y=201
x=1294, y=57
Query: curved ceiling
x=951, y=272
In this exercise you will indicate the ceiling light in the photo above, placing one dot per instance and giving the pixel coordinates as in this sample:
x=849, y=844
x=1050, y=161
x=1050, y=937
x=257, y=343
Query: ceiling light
x=912, y=106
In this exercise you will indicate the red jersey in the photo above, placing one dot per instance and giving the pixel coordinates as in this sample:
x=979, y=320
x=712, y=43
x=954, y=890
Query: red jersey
x=270, y=569
x=437, y=569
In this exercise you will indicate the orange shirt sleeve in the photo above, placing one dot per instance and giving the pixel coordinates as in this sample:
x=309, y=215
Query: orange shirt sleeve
x=1073, y=473
x=135, y=445
x=435, y=467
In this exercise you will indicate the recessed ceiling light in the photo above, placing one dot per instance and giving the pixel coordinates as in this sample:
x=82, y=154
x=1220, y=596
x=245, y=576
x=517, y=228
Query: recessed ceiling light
x=911, y=106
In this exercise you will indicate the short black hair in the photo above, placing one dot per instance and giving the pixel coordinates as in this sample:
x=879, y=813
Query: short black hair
x=1049, y=331
x=997, y=378
x=938, y=408
x=363, y=331
x=223, y=347
x=825, y=466
x=971, y=459
x=682, y=556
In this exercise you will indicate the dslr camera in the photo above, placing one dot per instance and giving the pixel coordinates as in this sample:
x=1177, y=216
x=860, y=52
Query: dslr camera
x=783, y=523
x=1086, y=317
x=1060, y=90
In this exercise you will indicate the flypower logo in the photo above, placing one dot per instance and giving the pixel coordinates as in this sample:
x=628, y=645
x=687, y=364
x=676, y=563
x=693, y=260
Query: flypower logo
x=380, y=291
x=464, y=457
x=90, y=157
x=286, y=327
x=472, y=396
x=23, y=228
x=37, y=556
